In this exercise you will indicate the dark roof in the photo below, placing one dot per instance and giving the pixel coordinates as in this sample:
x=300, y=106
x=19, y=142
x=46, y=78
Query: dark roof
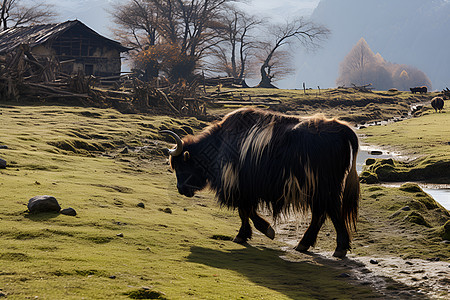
x=39, y=34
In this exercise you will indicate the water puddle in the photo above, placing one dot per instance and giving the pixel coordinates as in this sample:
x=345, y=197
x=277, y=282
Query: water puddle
x=439, y=192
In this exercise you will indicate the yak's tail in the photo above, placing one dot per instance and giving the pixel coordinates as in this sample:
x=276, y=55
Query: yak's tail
x=351, y=193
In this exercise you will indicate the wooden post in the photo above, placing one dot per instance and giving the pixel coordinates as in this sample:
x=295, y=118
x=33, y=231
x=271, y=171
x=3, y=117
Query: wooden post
x=204, y=83
x=304, y=88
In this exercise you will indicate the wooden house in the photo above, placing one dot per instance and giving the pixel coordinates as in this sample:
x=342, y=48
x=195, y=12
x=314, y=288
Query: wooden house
x=74, y=45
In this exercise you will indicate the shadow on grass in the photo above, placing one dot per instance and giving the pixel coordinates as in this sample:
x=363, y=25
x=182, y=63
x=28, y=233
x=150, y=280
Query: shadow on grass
x=37, y=217
x=296, y=280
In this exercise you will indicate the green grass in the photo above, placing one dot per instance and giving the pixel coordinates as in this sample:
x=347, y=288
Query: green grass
x=348, y=104
x=113, y=248
x=425, y=140
x=178, y=254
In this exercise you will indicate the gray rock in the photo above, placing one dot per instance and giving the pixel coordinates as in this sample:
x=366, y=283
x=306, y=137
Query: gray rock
x=69, y=211
x=406, y=208
x=2, y=163
x=167, y=210
x=120, y=234
x=43, y=203
x=141, y=204
x=374, y=261
x=376, y=152
x=3, y=147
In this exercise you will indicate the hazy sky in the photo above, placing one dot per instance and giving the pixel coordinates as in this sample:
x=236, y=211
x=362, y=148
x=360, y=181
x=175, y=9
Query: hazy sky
x=94, y=12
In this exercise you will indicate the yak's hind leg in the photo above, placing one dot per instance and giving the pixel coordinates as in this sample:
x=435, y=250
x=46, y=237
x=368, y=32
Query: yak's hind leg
x=245, y=232
x=262, y=225
x=342, y=235
x=310, y=236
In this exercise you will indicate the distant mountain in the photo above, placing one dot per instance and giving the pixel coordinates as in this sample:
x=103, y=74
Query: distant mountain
x=412, y=32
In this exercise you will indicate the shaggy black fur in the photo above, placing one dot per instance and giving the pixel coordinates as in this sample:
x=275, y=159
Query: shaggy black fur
x=287, y=163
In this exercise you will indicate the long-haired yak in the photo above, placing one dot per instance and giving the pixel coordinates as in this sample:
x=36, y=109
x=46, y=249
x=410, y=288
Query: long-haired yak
x=286, y=163
x=437, y=103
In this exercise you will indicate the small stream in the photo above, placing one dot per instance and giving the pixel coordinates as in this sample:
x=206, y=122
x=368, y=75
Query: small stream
x=439, y=192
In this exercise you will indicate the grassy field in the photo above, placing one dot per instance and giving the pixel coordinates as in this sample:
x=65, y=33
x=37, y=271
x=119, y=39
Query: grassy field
x=175, y=247
x=347, y=104
x=424, y=140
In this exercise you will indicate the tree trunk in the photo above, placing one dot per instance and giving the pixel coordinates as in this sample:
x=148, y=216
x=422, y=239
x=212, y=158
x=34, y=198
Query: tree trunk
x=266, y=81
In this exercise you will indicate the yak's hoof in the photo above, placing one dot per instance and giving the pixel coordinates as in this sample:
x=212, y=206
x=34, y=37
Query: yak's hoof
x=301, y=248
x=240, y=240
x=270, y=233
x=340, y=253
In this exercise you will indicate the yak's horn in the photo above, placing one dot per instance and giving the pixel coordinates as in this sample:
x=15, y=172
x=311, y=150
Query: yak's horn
x=179, y=148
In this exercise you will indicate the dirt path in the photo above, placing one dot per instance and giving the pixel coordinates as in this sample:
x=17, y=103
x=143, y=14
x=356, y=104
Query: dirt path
x=391, y=277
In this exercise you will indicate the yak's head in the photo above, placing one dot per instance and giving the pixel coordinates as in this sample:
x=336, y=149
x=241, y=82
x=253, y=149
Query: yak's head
x=190, y=176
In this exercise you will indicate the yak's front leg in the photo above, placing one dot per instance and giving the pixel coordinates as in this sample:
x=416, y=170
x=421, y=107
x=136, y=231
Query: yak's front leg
x=245, y=232
x=262, y=225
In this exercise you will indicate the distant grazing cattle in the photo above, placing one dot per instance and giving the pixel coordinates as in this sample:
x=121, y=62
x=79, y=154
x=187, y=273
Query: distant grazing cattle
x=419, y=89
x=254, y=157
x=437, y=103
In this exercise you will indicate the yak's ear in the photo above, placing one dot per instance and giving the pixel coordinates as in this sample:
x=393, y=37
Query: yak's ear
x=186, y=155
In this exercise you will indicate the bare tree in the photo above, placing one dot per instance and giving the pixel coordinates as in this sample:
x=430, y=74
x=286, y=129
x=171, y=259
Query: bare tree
x=13, y=13
x=136, y=22
x=239, y=47
x=306, y=32
x=188, y=28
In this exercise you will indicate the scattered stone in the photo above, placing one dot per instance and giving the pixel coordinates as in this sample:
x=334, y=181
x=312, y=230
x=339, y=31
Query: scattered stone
x=185, y=209
x=124, y=151
x=3, y=295
x=120, y=234
x=374, y=261
x=3, y=164
x=37, y=183
x=112, y=277
x=167, y=210
x=343, y=275
x=43, y=203
x=406, y=208
x=3, y=147
x=141, y=204
x=69, y=211
x=408, y=263
x=376, y=152
x=433, y=259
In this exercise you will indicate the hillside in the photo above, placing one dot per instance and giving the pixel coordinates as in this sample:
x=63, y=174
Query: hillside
x=104, y=163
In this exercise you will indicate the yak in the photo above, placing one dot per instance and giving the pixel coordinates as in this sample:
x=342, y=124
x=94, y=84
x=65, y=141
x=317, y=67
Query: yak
x=437, y=103
x=253, y=158
x=419, y=89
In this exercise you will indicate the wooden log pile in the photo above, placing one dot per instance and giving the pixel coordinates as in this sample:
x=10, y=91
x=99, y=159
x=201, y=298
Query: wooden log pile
x=23, y=78
x=446, y=93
